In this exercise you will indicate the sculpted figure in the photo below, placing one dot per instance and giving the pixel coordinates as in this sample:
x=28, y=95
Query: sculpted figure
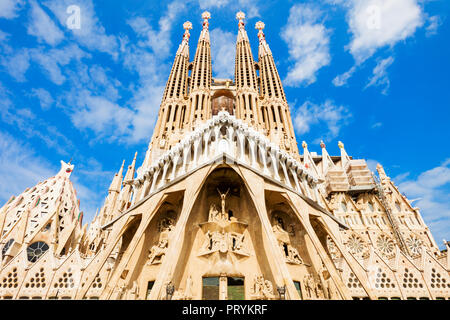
x=294, y=256
x=223, y=197
x=309, y=284
x=237, y=242
x=133, y=293
x=158, y=251
x=185, y=294
x=262, y=289
x=214, y=214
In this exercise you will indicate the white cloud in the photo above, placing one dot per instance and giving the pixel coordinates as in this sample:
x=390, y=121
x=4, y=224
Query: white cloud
x=91, y=34
x=223, y=51
x=380, y=75
x=45, y=98
x=250, y=7
x=158, y=40
x=434, y=23
x=16, y=64
x=4, y=36
x=375, y=24
x=378, y=23
x=432, y=191
x=102, y=116
x=332, y=116
x=376, y=125
x=20, y=167
x=372, y=164
x=52, y=60
x=308, y=42
x=42, y=27
x=9, y=8
x=342, y=79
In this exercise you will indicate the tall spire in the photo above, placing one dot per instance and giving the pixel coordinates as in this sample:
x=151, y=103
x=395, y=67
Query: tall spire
x=131, y=169
x=204, y=35
x=173, y=106
x=275, y=110
x=201, y=78
x=245, y=77
x=117, y=180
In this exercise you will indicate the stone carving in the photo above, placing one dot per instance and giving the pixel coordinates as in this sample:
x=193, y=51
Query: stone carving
x=415, y=245
x=386, y=246
x=333, y=250
x=166, y=225
x=294, y=256
x=134, y=291
x=314, y=289
x=223, y=242
x=262, y=289
x=357, y=246
x=278, y=229
x=223, y=197
x=157, y=252
x=214, y=214
x=222, y=233
x=309, y=284
x=185, y=294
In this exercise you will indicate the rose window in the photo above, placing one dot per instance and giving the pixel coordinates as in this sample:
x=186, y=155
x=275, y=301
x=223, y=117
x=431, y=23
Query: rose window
x=36, y=250
x=414, y=244
x=385, y=245
x=356, y=245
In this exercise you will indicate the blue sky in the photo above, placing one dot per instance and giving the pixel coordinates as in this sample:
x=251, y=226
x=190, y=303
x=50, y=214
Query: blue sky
x=372, y=73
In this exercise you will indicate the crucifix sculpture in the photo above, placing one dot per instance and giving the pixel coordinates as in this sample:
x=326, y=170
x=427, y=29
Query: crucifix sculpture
x=223, y=196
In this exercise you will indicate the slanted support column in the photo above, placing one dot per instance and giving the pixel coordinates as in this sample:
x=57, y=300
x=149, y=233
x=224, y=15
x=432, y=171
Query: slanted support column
x=177, y=239
x=255, y=185
x=297, y=185
x=253, y=155
x=155, y=177
x=274, y=157
x=206, y=137
x=263, y=152
x=286, y=175
x=175, y=160
x=150, y=211
x=296, y=204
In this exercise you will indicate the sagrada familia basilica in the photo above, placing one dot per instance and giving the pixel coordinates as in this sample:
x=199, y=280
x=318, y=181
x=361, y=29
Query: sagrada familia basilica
x=224, y=207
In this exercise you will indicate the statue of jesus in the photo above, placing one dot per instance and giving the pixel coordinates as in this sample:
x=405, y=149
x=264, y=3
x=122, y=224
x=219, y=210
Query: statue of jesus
x=223, y=196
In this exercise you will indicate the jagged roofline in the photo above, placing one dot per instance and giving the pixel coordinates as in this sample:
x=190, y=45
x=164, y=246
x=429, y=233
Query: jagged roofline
x=224, y=117
x=225, y=157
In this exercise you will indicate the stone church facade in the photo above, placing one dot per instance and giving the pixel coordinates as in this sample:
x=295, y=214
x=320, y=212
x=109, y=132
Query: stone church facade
x=225, y=207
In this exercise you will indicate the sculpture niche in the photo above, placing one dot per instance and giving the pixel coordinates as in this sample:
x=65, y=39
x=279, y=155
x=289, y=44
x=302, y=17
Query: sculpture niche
x=223, y=233
x=158, y=251
x=291, y=254
x=262, y=289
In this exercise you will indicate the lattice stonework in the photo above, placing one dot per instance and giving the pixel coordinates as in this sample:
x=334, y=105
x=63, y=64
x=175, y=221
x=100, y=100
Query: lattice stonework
x=353, y=282
x=37, y=281
x=410, y=281
x=66, y=281
x=438, y=280
x=383, y=281
x=11, y=280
